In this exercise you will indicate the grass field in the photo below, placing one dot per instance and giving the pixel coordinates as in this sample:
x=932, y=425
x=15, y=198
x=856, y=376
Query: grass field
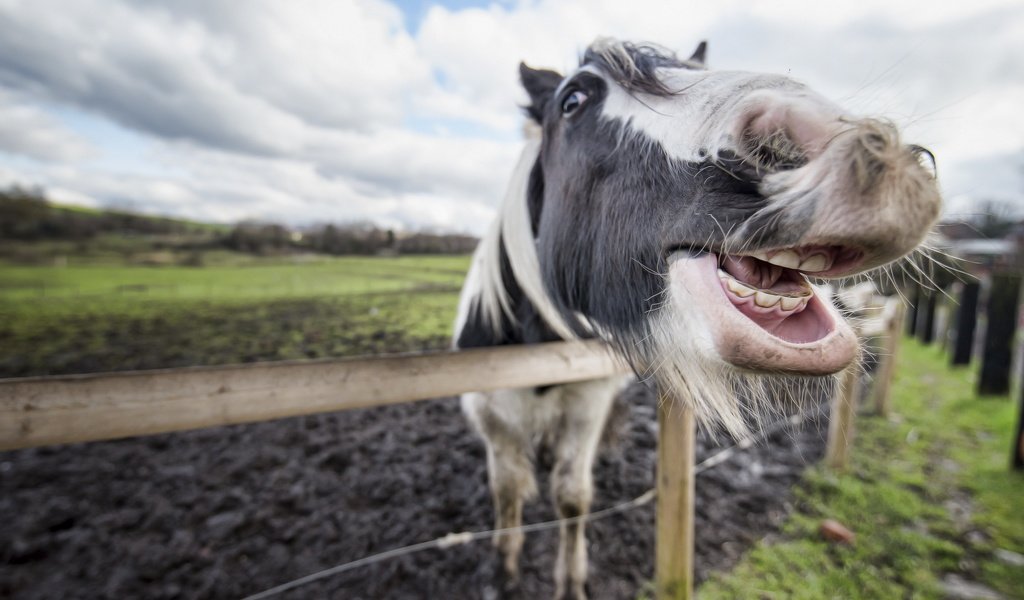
x=258, y=279
x=929, y=495
x=96, y=317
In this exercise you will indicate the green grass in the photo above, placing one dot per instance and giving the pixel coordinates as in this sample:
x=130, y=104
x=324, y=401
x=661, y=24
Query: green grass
x=91, y=318
x=944, y=448
x=304, y=277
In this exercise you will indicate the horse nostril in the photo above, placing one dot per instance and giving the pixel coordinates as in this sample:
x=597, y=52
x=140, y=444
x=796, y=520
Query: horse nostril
x=782, y=133
x=926, y=159
x=874, y=150
x=774, y=150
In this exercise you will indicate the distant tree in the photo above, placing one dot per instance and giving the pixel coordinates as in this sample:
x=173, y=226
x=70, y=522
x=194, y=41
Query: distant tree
x=23, y=213
x=435, y=243
x=26, y=214
x=996, y=219
x=258, y=238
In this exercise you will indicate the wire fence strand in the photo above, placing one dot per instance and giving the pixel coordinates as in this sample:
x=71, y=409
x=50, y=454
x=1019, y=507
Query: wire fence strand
x=467, y=537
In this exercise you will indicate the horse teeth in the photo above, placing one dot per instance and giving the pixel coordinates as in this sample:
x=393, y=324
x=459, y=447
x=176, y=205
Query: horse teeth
x=790, y=259
x=790, y=303
x=739, y=289
x=735, y=286
x=815, y=263
x=785, y=258
x=766, y=300
x=762, y=298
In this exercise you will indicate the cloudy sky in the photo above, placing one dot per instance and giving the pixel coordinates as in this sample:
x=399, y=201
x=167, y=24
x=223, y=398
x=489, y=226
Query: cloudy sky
x=405, y=113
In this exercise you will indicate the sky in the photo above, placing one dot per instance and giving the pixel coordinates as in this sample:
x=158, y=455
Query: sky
x=405, y=114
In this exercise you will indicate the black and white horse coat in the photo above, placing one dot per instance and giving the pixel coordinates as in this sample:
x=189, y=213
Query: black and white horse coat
x=676, y=213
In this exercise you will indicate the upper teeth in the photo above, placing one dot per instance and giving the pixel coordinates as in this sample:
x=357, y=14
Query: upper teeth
x=791, y=260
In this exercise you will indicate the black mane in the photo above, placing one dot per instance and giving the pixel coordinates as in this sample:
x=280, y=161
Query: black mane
x=634, y=66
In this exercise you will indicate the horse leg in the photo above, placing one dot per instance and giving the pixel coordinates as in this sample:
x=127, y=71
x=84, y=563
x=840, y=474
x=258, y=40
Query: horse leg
x=510, y=471
x=586, y=408
x=509, y=464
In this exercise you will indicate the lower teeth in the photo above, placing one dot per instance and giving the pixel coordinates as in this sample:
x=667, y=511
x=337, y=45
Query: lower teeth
x=763, y=298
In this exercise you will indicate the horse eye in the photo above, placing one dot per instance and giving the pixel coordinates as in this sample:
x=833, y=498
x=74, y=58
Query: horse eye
x=572, y=102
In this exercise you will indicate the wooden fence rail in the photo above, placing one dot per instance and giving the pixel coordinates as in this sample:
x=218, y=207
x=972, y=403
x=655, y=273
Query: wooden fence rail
x=37, y=411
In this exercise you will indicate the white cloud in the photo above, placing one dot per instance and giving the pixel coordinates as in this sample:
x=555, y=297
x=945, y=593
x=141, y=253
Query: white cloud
x=225, y=187
x=478, y=50
x=256, y=80
x=28, y=131
x=909, y=14
x=317, y=96
x=331, y=110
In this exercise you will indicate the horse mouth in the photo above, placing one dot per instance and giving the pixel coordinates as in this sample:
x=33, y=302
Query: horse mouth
x=771, y=288
x=761, y=311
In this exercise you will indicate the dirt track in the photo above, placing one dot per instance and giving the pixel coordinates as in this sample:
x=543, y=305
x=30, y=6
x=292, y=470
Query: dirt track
x=227, y=512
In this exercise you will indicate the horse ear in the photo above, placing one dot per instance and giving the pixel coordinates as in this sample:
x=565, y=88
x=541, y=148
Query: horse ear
x=540, y=84
x=698, y=54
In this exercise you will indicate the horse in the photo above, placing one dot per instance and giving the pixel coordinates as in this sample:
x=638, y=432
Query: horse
x=677, y=213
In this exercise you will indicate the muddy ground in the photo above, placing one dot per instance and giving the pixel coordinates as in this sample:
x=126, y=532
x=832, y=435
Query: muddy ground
x=227, y=512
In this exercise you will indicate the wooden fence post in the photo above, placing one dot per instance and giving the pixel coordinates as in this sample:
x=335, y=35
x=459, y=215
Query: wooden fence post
x=1017, y=461
x=926, y=327
x=1018, y=440
x=1003, y=298
x=966, y=321
x=945, y=320
x=894, y=315
x=676, y=490
x=840, y=425
x=915, y=307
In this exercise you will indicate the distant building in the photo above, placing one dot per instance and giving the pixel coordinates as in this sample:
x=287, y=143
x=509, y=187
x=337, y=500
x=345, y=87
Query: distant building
x=979, y=252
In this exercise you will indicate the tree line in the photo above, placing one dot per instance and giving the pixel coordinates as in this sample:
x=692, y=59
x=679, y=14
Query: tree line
x=347, y=239
x=26, y=215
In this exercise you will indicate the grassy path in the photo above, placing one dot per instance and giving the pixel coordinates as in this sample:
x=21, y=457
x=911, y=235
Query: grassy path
x=928, y=494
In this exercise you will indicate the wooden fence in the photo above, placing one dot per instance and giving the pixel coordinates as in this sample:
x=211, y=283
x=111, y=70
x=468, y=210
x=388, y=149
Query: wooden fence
x=36, y=411
x=80, y=408
x=985, y=324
